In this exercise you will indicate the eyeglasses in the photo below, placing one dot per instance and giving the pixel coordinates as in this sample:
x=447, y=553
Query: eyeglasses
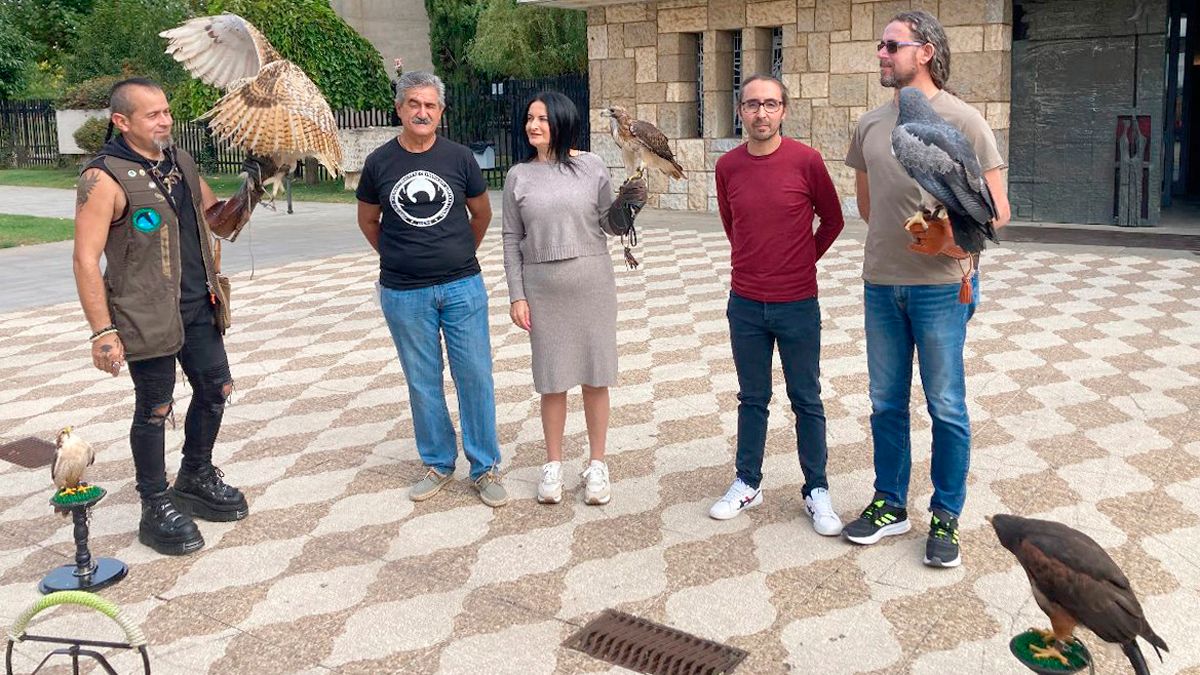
x=770, y=105
x=894, y=45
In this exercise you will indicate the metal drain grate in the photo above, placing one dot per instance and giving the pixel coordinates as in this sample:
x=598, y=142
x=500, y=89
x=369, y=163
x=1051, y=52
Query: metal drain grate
x=647, y=647
x=28, y=452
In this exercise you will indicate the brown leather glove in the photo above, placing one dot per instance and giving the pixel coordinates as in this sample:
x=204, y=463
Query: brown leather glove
x=933, y=235
x=630, y=199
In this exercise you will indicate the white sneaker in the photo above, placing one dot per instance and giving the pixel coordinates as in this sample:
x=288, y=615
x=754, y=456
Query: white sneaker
x=825, y=520
x=739, y=496
x=597, y=491
x=550, y=488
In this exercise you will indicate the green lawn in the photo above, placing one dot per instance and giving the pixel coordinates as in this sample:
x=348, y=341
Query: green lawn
x=223, y=185
x=21, y=230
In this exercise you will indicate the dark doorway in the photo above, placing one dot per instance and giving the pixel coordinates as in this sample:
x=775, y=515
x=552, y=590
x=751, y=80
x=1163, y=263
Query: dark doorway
x=1181, y=133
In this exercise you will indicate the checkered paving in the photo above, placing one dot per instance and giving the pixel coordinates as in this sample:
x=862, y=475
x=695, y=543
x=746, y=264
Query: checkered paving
x=1083, y=373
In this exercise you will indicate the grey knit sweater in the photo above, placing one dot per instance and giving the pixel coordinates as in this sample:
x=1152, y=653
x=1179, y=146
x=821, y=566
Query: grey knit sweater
x=551, y=213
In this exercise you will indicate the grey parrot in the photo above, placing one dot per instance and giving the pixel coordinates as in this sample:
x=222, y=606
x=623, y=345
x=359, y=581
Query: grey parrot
x=1076, y=582
x=72, y=456
x=940, y=158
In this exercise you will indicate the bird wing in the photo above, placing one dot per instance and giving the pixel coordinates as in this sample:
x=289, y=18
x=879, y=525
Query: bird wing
x=280, y=113
x=653, y=140
x=940, y=153
x=1074, y=573
x=220, y=50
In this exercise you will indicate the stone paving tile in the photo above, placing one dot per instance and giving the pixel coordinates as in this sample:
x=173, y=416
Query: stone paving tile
x=1083, y=373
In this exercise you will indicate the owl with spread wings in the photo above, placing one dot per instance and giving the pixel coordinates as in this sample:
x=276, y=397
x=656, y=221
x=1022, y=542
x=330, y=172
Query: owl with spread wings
x=642, y=144
x=270, y=108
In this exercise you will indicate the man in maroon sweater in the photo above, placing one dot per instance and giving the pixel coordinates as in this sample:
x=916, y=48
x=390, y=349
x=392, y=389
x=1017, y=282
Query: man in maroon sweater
x=768, y=190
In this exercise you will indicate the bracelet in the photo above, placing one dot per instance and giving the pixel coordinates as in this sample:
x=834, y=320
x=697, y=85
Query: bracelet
x=107, y=330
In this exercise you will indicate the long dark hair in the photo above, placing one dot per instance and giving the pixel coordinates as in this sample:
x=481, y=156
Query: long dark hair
x=564, y=127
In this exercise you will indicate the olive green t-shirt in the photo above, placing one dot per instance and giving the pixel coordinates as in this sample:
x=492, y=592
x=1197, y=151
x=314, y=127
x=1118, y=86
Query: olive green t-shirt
x=895, y=195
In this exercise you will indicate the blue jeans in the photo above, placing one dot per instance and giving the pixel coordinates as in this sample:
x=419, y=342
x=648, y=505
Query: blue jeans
x=754, y=329
x=931, y=321
x=418, y=319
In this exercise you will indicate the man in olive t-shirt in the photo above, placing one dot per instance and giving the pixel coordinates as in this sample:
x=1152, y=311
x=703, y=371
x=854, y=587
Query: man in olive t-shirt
x=911, y=300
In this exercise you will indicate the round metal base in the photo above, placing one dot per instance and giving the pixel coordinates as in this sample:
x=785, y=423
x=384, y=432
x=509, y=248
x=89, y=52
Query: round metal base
x=108, y=572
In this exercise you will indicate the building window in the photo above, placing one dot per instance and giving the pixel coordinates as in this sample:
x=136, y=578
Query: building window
x=699, y=85
x=736, y=74
x=777, y=52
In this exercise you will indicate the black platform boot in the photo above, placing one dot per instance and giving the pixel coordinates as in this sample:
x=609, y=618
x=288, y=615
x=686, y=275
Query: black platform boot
x=205, y=495
x=165, y=529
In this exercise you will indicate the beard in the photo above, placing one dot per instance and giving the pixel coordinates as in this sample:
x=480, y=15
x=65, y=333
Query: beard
x=764, y=135
x=896, y=79
x=164, y=142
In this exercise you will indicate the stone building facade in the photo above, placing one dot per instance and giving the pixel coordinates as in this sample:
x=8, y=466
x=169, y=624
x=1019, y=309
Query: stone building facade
x=676, y=63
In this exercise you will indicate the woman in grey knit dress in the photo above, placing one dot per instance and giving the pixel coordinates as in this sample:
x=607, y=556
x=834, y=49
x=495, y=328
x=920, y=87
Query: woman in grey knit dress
x=557, y=205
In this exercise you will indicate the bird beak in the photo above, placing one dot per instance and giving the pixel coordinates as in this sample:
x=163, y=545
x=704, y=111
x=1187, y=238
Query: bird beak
x=988, y=519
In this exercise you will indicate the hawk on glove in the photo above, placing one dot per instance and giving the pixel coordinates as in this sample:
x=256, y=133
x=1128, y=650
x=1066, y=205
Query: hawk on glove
x=1075, y=582
x=642, y=145
x=942, y=161
x=271, y=108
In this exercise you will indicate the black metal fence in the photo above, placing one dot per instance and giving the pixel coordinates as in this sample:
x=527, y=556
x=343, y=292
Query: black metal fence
x=28, y=134
x=488, y=117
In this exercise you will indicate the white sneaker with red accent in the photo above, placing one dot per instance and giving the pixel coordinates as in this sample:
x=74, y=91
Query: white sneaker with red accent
x=738, y=498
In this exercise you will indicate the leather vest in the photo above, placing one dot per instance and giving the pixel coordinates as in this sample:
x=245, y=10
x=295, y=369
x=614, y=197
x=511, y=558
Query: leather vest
x=143, y=271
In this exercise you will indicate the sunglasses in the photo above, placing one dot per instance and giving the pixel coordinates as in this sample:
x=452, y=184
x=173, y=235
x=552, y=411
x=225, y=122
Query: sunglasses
x=894, y=45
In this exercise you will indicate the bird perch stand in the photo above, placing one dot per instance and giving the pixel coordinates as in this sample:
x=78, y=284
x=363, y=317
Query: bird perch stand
x=87, y=574
x=1077, y=655
x=135, y=639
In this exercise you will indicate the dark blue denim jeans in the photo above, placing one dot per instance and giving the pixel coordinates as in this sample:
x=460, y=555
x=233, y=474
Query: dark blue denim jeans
x=932, y=322
x=754, y=329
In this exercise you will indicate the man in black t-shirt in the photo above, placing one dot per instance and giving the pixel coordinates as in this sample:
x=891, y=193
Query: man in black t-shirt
x=423, y=205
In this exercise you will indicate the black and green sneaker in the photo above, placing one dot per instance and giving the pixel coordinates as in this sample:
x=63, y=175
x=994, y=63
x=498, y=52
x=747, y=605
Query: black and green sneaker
x=941, y=549
x=877, y=521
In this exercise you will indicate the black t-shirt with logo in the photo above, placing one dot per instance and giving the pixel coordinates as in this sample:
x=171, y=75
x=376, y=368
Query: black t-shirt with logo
x=425, y=237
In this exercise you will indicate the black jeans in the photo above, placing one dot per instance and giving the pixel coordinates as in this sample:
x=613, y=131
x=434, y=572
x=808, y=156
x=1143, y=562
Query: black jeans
x=754, y=329
x=207, y=369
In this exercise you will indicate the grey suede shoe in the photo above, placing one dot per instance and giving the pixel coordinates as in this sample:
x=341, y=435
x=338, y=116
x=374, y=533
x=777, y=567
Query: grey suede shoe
x=430, y=485
x=491, y=492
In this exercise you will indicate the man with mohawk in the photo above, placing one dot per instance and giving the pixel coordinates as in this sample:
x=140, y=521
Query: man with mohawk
x=142, y=204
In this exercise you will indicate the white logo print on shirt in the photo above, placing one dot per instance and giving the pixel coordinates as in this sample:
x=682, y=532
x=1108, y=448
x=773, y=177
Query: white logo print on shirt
x=418, y=188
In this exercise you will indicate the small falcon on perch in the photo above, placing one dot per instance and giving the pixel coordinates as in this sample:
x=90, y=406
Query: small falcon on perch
x=1075, y=582
x=642, y=145
x=271, y=108
x=72, y=457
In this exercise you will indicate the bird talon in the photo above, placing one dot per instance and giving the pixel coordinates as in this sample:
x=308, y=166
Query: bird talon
x=1047, y=653
x=916, y=222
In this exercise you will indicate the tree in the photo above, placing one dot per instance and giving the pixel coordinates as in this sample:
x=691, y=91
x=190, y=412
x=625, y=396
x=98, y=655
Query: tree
x=451, y=29
x=15, y=57
x=517, y=41
x=343, y=64
x=121, y=36
x=50, y=25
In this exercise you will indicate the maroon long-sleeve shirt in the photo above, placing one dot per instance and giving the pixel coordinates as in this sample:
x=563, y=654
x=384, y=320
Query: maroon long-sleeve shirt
x=767, y=206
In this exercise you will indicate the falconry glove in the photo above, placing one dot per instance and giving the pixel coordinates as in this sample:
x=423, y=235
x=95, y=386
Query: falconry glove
x=227, y=218
x=933, y=235
x=630, y=199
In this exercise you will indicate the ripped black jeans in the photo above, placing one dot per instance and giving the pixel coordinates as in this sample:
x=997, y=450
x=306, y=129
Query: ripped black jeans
x=207, y=369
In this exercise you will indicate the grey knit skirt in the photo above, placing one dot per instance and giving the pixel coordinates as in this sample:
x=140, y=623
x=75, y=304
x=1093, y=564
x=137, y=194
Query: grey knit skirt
x=573, y=309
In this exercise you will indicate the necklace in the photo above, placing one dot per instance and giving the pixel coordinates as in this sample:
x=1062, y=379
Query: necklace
x=169, y=180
